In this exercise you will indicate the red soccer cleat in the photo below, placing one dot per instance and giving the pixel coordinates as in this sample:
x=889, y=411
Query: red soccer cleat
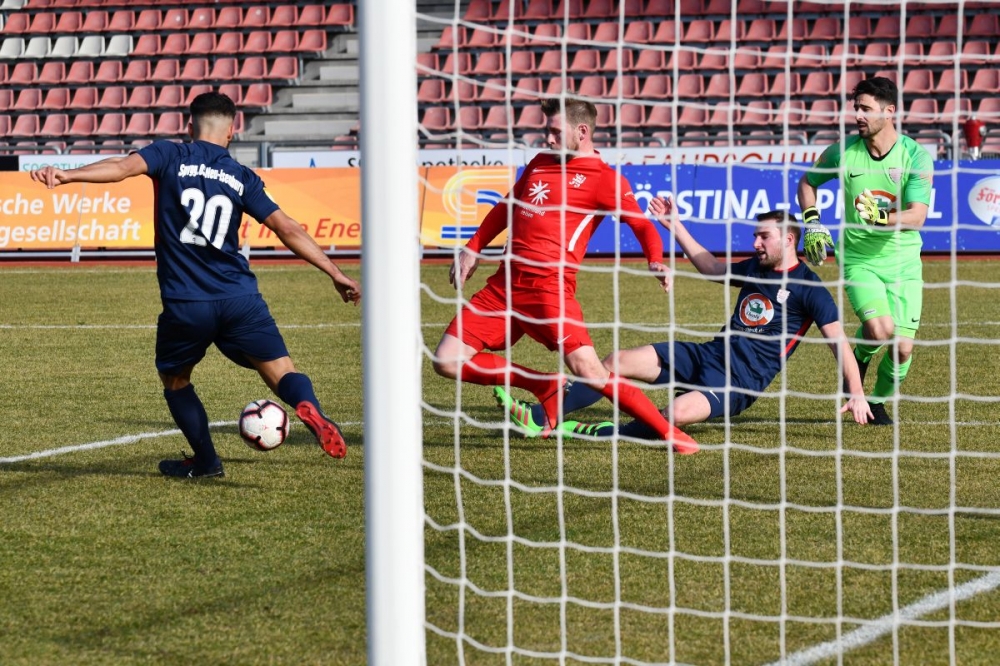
x=327, y=432
x=682, y=443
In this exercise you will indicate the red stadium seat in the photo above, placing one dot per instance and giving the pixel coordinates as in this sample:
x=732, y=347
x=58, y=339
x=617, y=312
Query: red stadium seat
x=625, y=86
x=782, y=84
x=228, y=18
x=258, y=41
x=723, y=116
x=528, y=88
x=84, y=124
x=690, y=86
x=110, y=71
x=940, y=53
x=256, y=17
x=43, y=24
x=113, y=97
x=918, y=82
x=284, y=67
x=451, y=38
x=17, y=23
x=983, y=24
x=950, y=82
x=122, y=20
x=922, y=111
x=202, y=43
x=557, y=85
x=489, y=64
x=495, y=89
x=920, y=26
x=313, y=15
x=139, y=124
x=469, y=119
x=746, y=59
x=798, y=27
x=148, y=19
x=573, y=9
x=840, y=53
x=531, y=117
x=593, y=86
x=436, y=119
x=202, y=18
x=175, y=44
x=605, y=115
x=699, y=31
x=166, y=71
x=617, y=61
x=977, y=52
x=713, y=59
x=498, y=118
x=283, y=41
x=233, y=91
x=522, y=63
x=955, y=111
x=170, y=97
x=430, y=91
x=989, y=110
x=6, y=99
x=947, y=29
x=848, y=82
x=776, y=56
x=986, y=81
x=858, y=28
x=201, y=88
x=170, y=123
x=791, y=110
x=811, y=56
x=111, y=124
x=754, y=84
x=26, y=125
x=141, y=97
x=95, y=21
x=683, y=59
x=649, y=60
x=52, y=73
x=229, y=43
x=911, y=53
x=224, y=69
x=340, y=15
x=826, y=29
x=24, y=73
x=29, y=99
x=601, y=9
x=478, y=11
x=195, y=69
x=638, y=32
x=730, y=31
x=823, y=112
x=818, y=84
x=668, y=32
x=551, y=62
x=692, y=116
x=284, y=16
x=149, y=45
x=481, y=38
x=461, y=61
x=719, y=85
x=69, y=22
x=83, y=99
x=258, y=95
x=546, y=35
x=656, y=86
x=632, y=116
x=887, y=27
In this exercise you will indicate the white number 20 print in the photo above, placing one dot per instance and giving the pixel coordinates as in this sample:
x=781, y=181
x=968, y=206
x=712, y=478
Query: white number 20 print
x=211, y=218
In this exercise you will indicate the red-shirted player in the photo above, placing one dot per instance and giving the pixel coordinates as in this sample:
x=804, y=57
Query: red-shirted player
x=555, y=206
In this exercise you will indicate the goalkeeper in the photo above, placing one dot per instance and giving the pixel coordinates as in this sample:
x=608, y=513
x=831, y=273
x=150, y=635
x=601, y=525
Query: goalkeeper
x=779, y=300
x=886, y=180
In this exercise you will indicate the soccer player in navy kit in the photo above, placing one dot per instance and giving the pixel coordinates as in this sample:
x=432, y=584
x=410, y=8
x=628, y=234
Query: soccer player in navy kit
x=779, y=299
x=208, y=291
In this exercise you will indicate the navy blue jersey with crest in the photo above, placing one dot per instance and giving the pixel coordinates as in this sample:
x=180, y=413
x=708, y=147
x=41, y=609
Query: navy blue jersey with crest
x=773, y=311
x=201, y=194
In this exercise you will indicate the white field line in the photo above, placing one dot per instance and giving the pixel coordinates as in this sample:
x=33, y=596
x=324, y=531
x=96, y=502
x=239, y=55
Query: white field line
x=874, y=630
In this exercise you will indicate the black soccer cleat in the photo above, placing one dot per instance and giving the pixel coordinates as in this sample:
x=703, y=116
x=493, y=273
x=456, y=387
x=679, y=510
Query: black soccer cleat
x=188, y=468
x=881, y=417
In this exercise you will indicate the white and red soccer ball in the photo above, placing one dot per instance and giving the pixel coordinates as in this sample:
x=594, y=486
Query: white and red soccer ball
x=264, y=425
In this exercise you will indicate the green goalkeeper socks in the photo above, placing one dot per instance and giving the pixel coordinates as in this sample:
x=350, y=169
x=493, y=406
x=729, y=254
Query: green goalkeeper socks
x=890, y=375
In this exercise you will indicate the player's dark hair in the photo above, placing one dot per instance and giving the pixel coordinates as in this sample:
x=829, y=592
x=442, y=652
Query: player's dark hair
x=882, y=89
x=211, y=104
x=783, y=216
x=578, y=111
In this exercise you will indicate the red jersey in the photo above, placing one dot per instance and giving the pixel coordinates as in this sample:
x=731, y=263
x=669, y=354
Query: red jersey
x=556, y=208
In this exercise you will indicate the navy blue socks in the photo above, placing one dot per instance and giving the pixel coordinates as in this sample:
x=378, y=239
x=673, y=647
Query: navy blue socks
x=296, y=387
x=190, y=416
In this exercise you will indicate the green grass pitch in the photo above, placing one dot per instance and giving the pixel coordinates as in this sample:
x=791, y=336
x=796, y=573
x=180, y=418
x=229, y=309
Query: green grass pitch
x=607, y=551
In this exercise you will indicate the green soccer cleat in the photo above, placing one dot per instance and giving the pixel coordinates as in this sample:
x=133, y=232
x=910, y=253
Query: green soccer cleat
x=576, y=429
x=520, y=413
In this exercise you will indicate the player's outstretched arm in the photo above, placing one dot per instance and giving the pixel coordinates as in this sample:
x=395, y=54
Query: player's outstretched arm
x=856, y=403
x=665, y=213
x=110, y=170
x=302, y=244
x=463, y=267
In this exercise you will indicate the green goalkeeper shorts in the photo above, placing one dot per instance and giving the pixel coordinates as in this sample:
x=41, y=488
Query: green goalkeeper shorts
x=874, y=293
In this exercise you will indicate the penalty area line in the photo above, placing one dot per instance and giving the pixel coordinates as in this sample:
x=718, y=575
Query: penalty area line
x=874, y=630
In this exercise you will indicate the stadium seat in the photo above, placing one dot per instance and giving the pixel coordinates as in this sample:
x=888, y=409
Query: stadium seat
x=776, y=56
x=139, y=124
x=746, y=59
x=989, y=110
x=811, y=56
x=256, y=17
x=148, y=19
x=699, y=31
x=470, y=118
x=171, y=123
x=53, y=73
x=284, y=67
x=83, y=99
x=818, y=84
x=121, y=20
x=481, y=38
x=668, y=32
x=202, y=18
x=233, y=91
x=67, y=46
x=840, y=53
x=224, y=69
x=858, y=28
x=141, y=97
x=195, y=69
x=887, y=27
x=166, y=71
x=724, y=116
x=947, y=28
x=625, y=86
x=498, y=118
x=605, y=115
x=763, y=30
x=38, y=47
x=29, y=99
x=283, y=41
x=6, y=99
x=284, y=16
x=111, y=124
x=649, y=60
x=730, y=31
x=683, y=59
x=785, y=84
x=601, y=9
x=340, y=15
x=823, y=112
x=557, y=85
x=229, y=18
x=95, y=21
x=258, y=96
x=922, y=111
x=578, y=34
x=23, y=73
x=825, y=29
x=69, y=22
x=632, y=116
x=714, y=60
x=920, y=26
x=258, y=41
x=169, y=97
x=460, y=61
x=17, y=23
x=478, y=11
x=11, y=48
x=615, y=62
x=918, y=82
x=531, y=117
x=43, y=24
x=489, y=64
x=983, y=24
x=83, y=125
x=507, y=11
x=430, y=91
x=522, y=63
x=147, y=45
x=656, y=86
x=948, y=84
x=637, y=32
x=229, y=43
x=551, y=63
x=955, y=110
x=718, y=86
x=690, y=86
x=110, y=71
x=571, y=9
x=495, y=90
x=253, y=69
x=754, y=84
x=692, y=116
x=118, y=46
x=976, y=52
x=176, y=44
x=527, y=89
x=985, y=81
x=791, y=110
x=465, y=91
x=25, y=125
x=435, y=119
x=545, y=35
x=593, y=86
x=450, y=39
x=175, y=19
x=757, y=112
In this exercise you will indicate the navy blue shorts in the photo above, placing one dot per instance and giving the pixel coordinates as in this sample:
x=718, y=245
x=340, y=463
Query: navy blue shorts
x=701, y=367
x=242, y=328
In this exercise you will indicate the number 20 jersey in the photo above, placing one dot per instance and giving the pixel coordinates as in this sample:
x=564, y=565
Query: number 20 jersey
x=200, y=196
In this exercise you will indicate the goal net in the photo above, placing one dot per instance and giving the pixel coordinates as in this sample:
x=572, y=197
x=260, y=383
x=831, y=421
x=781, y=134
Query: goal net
x=795, y=535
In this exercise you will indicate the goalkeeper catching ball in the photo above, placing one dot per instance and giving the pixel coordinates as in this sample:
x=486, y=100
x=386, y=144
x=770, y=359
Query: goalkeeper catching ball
x=886, y=181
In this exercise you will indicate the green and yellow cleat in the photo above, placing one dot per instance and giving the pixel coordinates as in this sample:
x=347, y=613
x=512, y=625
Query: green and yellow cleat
x=577, y=429
x=520, y=413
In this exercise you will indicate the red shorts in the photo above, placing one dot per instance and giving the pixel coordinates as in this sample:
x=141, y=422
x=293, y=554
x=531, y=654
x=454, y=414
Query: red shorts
x=482, y=323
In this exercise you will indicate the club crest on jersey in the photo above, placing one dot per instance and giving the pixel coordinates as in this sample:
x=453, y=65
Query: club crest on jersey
x=539, y=193
x=895, y=174
x=756, y=310
x=578, y=180
x=783, y=295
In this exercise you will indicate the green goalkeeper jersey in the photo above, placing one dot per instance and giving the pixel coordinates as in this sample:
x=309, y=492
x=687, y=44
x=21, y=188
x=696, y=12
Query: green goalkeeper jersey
x=901, y=177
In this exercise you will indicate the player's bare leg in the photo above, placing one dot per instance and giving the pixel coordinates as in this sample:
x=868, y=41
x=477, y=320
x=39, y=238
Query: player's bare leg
x=296, y=389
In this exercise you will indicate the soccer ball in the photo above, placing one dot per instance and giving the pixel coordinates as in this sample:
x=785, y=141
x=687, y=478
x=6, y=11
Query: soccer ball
x=264, y=425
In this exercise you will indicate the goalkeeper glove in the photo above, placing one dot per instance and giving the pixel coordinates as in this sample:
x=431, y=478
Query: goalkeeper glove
x=868, y=209
x=817, y=237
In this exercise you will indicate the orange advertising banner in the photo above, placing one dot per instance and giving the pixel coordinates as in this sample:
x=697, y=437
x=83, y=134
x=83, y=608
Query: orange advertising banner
x=325, y=201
